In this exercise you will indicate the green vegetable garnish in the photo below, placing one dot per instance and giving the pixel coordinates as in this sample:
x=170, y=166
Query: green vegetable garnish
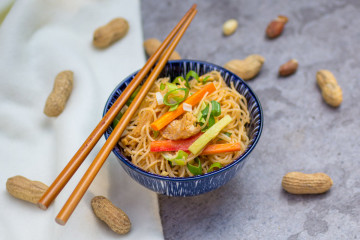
x=178, y=159
x=162, y=86
x=216, y=109
x=205, y=111
x=192, y=74
x=156, y=133
x=128, y=102
x=196, y=170
x=132, y=96
x=227, y=134
x=180, y=78
x=200, y=115
x=209, y=135
x=215, y=112
x=117, y=119
x=176, y=100
x=211, y=122
x=214, y=165
x=171, y=86
x=205, y=79
x=173, y=108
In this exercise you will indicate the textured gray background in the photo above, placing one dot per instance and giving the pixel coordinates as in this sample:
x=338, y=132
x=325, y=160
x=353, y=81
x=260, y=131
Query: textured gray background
x=301, y=133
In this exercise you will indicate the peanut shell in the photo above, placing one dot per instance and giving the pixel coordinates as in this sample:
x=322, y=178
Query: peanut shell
x=302, y=183
x=114, y=217
x=25, y=189
x=247, y=68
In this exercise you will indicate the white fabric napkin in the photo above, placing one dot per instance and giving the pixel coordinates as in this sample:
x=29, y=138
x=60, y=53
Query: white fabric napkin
x=39, y=39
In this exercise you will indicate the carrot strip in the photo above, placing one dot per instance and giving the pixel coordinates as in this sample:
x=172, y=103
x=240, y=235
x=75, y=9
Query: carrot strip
x=192, y=100
x=221, y=148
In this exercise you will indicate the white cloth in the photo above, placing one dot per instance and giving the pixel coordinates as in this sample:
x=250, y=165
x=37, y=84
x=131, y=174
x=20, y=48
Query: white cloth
x=39, y=39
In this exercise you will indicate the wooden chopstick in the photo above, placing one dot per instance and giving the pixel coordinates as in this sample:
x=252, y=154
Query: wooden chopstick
x=79, y=157
x=114, y=137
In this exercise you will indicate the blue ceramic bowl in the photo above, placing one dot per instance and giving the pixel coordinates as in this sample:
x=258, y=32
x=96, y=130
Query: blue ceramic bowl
x=196, y=185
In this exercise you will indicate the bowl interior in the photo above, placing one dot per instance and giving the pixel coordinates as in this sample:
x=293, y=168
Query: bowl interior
x=179, y=68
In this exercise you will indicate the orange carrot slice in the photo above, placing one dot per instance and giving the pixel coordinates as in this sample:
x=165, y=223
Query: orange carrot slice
x=192, y=100
x=221, y=148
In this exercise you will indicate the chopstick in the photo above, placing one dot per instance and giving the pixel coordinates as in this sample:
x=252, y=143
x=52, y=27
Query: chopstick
x=79, y=157
x=114, y=137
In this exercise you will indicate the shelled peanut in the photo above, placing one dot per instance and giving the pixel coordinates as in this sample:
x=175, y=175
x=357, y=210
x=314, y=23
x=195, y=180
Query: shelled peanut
x=288, y=68
x=152, y=44
x=113, y=31
x=61, y=91
x=247, y=68
x=330, y=89
x=113, y=216
x=25, y=189
x=276, y=26
x=229, y=27
x=302, y=183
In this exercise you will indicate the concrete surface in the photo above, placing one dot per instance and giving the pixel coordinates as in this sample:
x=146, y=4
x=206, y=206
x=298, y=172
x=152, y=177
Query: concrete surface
x=301, y=133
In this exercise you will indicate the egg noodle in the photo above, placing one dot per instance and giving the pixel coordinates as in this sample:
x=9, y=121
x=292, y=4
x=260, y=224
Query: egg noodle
x=138, y=135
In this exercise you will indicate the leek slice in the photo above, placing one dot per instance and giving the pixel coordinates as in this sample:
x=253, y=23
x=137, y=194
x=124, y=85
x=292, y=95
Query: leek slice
x=214, y=165
x=196, y=170
x=178, y=159
x=209, y=135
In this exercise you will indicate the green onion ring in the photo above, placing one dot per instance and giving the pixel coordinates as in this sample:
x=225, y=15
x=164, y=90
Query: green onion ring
x=166, y=102
x=196, y=170
x=214, y=165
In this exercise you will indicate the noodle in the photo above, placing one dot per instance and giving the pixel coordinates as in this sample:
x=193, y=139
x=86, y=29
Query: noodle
x=138, y=135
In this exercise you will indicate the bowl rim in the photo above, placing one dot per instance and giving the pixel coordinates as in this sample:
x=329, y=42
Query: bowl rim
x=182, y=179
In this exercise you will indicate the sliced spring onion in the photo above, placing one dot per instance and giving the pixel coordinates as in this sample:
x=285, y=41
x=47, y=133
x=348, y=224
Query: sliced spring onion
x=159, y=98
x=117, y=119
x=162, y=86
x=179, y=158
x=187, y=107
x=173, y=108
x=199, y=116
x=156, y=133
x=202, y=121
x=227, y=134
x=171, y=86
x=214, y=165
x=216, y=109
x=205, y=111
x=192, y=74
x=132, y=96
x=205, y=79
x=209, y=135
x=196, y=170
x=180, y=78
x=176, y=100
x=211, y=122
x=215, y=112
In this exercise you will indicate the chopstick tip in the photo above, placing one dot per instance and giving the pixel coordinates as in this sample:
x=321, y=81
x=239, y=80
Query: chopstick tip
x=60, y=221
x=42, y=206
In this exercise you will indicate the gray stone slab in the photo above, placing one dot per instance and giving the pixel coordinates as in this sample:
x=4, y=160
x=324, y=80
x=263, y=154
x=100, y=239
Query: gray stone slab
x=301, y=133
